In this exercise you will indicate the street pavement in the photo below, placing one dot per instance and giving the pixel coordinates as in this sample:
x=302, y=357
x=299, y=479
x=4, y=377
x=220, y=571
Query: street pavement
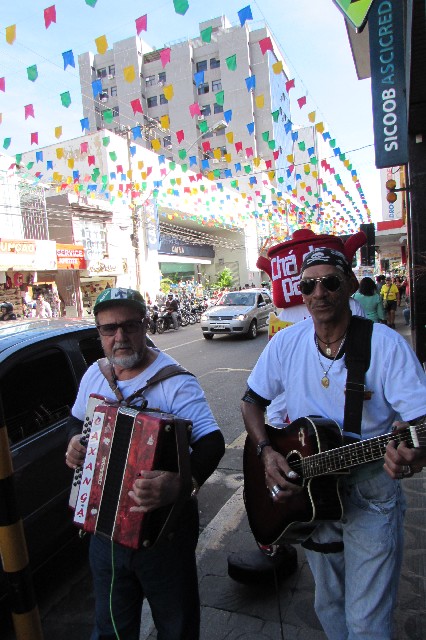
x=271, y=610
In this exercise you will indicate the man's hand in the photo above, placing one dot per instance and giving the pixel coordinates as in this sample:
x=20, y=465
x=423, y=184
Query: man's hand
x=402, y=461
x=280, y=480
x=76, y=452
x=154, y=489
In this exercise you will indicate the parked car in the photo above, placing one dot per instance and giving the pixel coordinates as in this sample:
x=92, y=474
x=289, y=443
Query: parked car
x=238, y=312
x=41, y=364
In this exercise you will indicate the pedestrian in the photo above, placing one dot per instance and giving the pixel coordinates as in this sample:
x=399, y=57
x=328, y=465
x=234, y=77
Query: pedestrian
x=370, y=300
x=356, y=561
x=166, y=573
x=6, y=311
x=172, y=307
x=43, y=308
x=391, y=298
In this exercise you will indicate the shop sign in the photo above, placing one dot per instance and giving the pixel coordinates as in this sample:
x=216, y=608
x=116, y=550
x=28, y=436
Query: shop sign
x=70, y=256
x=105, y=267
x=386, y=36
x=27, y=255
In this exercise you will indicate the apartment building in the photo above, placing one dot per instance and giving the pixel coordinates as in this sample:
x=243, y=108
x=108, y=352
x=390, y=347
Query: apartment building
x=244, y=138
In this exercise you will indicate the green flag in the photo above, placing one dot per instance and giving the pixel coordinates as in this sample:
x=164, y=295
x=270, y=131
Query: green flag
x=220, y=97
x=182, y=154
x=231, y=62
x=301, y=146
x=108, y=117
x=18, y=158
x=66, y=99
x=203, y=126
x=113, y=156
x=184, y=168
x=275, y=115
x=172, y=166
x=271, y=144
x=181, y=6
x=106, y=141
x=30, y=165
x=6, y=143
x=206, y=34
x=32, y=73
x=265, y=136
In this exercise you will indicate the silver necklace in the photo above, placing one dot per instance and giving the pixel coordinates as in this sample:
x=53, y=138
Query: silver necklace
x=325, y=381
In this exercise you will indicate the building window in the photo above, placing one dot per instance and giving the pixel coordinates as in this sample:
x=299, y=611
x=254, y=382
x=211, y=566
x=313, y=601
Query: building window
x=216, y=85
x=115, y=112
x=162, y=76
x=103, y=96
x=214, y=63
x=218, y=108
x=208, y=134
x=111, y=70
x=163, y=99
x=202, y=65
x=102, y=73
x=205, y=110
x=221, y=131
x=152, y=102
x=167, y=142
x=149, y=81
x=113, y=91
x=223, y=151
x=203, y=88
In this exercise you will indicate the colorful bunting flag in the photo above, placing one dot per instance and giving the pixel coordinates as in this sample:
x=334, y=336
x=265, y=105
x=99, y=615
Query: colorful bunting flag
x=58, y=133
x=66, y=99
x=265, y=45
x=231, y=62
x=34, y=138
x=277, y=67
x=220, y=97
x=165, y=57
x=129, y=73
x=32, y=73
x=194, y=109
x=181, y=6
x=251, y=83
x=68, y=58
x=107, y=116
x=141, y=24
x=168, y=92
x=228, y=116
x=206, y=34
x=165, y=122
x=11, y=34
x=199, y=78
x=85, y=124
x=49, y=16
x=3, y=84
x=250, y=128
x=311, y=116
x=260, y=101
x=101, y=44
x=203, y=125
x=136, y=106
x=245, y=14
x=289, y=85
x=301, y=101
x=29, y=111
x=96, y=87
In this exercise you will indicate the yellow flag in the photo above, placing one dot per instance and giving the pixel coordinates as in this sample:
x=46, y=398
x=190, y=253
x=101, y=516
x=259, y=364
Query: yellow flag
x=290, y=158
x=129, y=73
x=260, y=101
x=129, y=174
x=59, y=153
x=11, y=34
x=143, y=175
x=230, y=137
x=111, y=187
x=307, y=168
x=140, y=164
x=346, y=163
x=57, y=176
x=302, y=185
x=315, y=174
x=277, y=67
x=217, y=154
x=58, y=132
x=311, y=116
x=271, y=175
x=165, y=122
x=319, y=127
x=168, y=92
x=156, y=144
x=101, y=44
x=69, y=180
x=228, y=157
x=256, y=161
x=71, y=163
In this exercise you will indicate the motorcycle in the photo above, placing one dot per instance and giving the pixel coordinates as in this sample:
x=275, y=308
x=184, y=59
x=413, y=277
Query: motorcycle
x=165, y=321
x=152, y=315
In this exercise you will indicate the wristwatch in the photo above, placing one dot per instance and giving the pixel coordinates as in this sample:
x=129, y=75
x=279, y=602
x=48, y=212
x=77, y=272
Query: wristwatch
x=260, y=447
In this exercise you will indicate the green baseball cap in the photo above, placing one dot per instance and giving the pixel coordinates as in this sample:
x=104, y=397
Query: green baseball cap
x=116, y=297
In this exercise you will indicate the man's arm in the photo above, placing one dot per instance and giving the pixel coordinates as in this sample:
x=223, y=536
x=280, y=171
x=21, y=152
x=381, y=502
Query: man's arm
x=399, y=457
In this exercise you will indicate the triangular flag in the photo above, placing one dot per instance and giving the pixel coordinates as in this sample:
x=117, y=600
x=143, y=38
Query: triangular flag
x=11, y=34
x=265, y=45
x=311, y=116
x=260, y=101
x=165, y=57
x=68, y=57
x=251, y=83
x=29, y=111
x=108, y=116
x=156, y=144
x=168, y=92
x=220, y=97
x=6, y=143
x=58, y=132
x=228, y=116
x=136, y=106
x=141, y=24
x=277, y=67
x=32, y=73
x=129, y=73
x=301, y=101
x=137, y=132
x=275, y=115
x=101, y=44
x=289, y=85
x=66, y=99
x=231, y=62
x=180, y=135
x=230, y=137
x=319, y=127
x=245, y=14
x=3, y=84
x=194, y=109
x=199, y=78
x=203, y=125
x=106, y=141
x=59, y=153
x=165, y=122
x=34, y=138
x=49, y=16
x=96, y=87
x=265, y=136
x=206, y=34
x=181, y=6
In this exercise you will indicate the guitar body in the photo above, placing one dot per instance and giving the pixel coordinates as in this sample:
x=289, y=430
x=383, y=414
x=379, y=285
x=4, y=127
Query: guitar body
x=319, y=500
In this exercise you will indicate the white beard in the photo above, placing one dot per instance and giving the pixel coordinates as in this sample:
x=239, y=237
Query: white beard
x=126, y=362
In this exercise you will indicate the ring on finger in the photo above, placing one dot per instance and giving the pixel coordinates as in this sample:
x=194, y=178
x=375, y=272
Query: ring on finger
x=275, y=490
x=406, y=470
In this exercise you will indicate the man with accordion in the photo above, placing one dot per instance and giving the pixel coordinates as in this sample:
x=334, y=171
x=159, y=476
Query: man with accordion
x=148, y=386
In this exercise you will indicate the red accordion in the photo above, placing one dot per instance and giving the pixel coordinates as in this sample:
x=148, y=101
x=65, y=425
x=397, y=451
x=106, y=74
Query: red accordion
x=123, y=442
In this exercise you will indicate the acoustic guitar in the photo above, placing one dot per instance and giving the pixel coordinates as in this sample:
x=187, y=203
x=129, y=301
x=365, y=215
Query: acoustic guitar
x=313, y=447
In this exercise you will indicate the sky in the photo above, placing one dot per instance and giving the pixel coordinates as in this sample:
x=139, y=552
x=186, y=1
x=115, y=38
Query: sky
x=311, y=35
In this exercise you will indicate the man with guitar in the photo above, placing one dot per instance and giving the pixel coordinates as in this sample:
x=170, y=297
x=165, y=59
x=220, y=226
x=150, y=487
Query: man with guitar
x=354, y=547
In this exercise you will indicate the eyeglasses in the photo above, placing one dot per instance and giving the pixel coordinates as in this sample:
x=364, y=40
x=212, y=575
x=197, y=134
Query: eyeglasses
x=130, y=326
x=331, y=283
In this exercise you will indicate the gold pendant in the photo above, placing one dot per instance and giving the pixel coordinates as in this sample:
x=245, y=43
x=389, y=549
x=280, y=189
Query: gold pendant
x=328, y=351
x=325, y=382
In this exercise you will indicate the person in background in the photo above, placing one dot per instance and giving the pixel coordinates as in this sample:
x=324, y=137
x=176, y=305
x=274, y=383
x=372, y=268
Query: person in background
x=43, y=308
x=370, y=300
x=165, y=574
x=172, y=307
x=391, y=298
x=356, y=562
x=6, y=311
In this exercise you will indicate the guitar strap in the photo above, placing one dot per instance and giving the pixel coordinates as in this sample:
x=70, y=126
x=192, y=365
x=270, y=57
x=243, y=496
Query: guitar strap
x=357, y=362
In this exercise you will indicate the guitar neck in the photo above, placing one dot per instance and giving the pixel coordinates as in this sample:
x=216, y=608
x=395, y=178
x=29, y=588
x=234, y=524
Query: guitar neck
x=362, y=452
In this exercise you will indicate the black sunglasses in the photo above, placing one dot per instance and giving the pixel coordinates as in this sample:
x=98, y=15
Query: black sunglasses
x=130, y=326
x=331, y=283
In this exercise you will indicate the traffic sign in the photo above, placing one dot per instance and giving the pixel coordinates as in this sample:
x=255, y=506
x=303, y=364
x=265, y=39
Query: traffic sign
x=356, y=11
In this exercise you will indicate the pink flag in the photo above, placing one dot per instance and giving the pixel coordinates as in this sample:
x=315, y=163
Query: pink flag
x=83, y=147
x=265, y=45
x=49, y=16
x=91, y=160
x=29, y=111
x=136, y=106
x=249, y=151
x=301, y=101
x=276, y=154
x=34, y=138
x=206, y=145
x=194, y=109
x=289, y=85
x=141, y=24
x=2, y=84
x=268, y=164
x=180, y=136
x=163, y=172
x=238, y=146
x=165, y=56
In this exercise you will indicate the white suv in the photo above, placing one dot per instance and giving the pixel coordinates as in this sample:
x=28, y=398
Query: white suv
x=238, y=312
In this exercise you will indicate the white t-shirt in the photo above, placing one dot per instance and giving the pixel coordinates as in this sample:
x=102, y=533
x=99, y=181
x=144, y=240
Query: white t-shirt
x=289, y=364
x=180, y=395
